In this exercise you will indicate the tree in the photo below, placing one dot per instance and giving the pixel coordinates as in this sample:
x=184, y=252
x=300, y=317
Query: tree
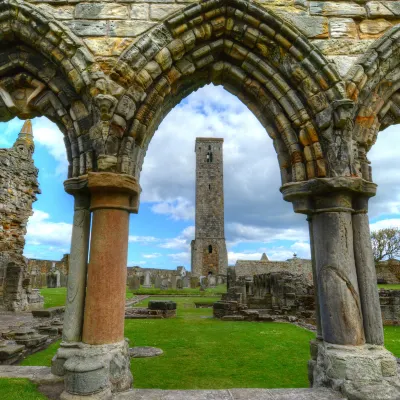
x=386, y=243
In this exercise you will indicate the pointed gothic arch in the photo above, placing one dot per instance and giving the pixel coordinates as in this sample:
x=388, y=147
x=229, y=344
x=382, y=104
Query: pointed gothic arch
x=284, y=80
x=374, y=84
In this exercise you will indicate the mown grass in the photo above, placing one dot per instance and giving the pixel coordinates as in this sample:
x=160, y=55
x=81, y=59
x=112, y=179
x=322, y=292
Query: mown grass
x=218, y=290
x=56, y=297
x=205, y=353
x=201, y=352
x=19, y=389
x=392, y=339
x=388, y=286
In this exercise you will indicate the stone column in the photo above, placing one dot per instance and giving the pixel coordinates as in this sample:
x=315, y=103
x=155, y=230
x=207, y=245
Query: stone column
x=111, y=197
x=339, y=298
x=100, y=365
x=346, y=289
x=366, y=273
x=314, y=272
x=76, y=288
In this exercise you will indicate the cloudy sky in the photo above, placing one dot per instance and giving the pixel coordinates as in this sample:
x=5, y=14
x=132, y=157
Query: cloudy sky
x=257, y=220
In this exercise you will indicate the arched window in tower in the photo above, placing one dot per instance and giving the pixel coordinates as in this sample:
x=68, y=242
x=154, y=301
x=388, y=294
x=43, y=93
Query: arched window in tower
x=209, y=186
x=209, y=157
x=210, y=249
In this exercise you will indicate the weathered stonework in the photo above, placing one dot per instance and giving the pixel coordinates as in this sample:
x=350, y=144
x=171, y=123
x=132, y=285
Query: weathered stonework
x=209, y=254
x=320, y=77
x=39, y=270
x=18, y=189
x=248, y=268
x=388, y=272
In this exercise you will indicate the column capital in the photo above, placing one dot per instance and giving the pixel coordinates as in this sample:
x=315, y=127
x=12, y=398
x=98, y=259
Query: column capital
x=339, y=194
x=113, y=191
x=78, y=188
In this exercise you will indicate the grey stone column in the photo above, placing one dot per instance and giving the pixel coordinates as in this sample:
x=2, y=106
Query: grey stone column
x=339, y=298
x=315, y=280
x=366, y=274
x=76, y=289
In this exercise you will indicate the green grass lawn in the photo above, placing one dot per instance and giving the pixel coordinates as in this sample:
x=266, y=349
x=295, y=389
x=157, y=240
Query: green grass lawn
x=218, y=290
x=19, y=389
x=386, y=286
x=205, y=353
x=56, y=297
x=201, y=352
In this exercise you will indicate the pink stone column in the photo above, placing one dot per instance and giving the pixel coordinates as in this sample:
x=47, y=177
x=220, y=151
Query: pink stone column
x=113, y=198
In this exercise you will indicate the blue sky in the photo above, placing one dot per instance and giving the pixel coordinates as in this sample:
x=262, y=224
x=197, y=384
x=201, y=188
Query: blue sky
x=257, y=219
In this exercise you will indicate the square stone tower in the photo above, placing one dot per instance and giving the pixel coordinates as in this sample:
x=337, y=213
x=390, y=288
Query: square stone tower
x=209, y=255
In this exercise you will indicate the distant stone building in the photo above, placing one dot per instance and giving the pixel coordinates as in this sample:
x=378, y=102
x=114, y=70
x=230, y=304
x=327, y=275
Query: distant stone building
x=40, y=270
x=209, y=255
x=294, y=265
x=388, y=271
x=18, y=189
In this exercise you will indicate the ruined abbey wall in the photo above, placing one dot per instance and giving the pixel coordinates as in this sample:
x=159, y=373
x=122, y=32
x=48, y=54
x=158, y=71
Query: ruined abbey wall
x=294, y=266
x=18, y=189
x=388, y=271
x=342, y=30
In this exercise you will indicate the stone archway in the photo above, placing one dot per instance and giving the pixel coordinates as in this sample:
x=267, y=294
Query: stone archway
x=109, y=115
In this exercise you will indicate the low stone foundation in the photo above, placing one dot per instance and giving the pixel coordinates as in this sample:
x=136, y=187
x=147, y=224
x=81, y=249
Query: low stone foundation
x=33, y=335
x=365, y=372
x=156, y=310
x=93, y=371
x=390, y=306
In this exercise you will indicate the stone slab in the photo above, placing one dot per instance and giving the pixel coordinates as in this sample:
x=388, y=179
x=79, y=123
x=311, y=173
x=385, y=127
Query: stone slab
x=48, y=312
x=35, y=374
x=232, y=394
x=144, y=352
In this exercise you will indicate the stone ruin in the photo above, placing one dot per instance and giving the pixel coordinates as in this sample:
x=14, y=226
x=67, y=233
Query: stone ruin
x=18, y=190
x=156, y=310
x=27, y=334
x=321, y=77
x=268, y=297
x=48, y=273
x=388, y=271
x=284, y=295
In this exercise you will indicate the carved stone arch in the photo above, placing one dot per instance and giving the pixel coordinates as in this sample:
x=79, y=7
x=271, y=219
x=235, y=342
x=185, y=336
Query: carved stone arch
x=61, y=80
x=269, y=65
x=374, y=84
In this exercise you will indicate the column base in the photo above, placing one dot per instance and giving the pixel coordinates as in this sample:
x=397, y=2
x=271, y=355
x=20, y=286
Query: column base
x=365, y=372
x=93, y=371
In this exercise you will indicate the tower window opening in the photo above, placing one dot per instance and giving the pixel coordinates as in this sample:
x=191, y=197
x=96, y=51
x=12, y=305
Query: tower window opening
x=209, y=157
x=209, y=186
x=210, y=249
x=209, y=147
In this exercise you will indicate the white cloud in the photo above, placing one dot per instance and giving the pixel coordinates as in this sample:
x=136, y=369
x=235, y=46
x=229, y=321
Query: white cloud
x=182, y=241
x=41, y=231
x=178, y=209
x=153, y=255
x=48, y=135
x=239, y=233
x=385, y=223
x=182, y=258
x=143, y=239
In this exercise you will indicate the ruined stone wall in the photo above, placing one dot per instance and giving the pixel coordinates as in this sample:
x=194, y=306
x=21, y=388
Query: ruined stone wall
x=390, y=306
x=294, y=266
x=388, y=272
x=18, y=190
x=162, y=273
x=270, y=296
x=341, y=29
x=39, y=269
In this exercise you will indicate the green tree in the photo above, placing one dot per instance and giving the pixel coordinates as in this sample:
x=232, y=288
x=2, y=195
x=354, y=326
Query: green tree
x=386, y=243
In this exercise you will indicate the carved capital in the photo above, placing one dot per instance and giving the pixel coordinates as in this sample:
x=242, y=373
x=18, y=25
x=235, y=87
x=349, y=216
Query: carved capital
x=329, y=194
